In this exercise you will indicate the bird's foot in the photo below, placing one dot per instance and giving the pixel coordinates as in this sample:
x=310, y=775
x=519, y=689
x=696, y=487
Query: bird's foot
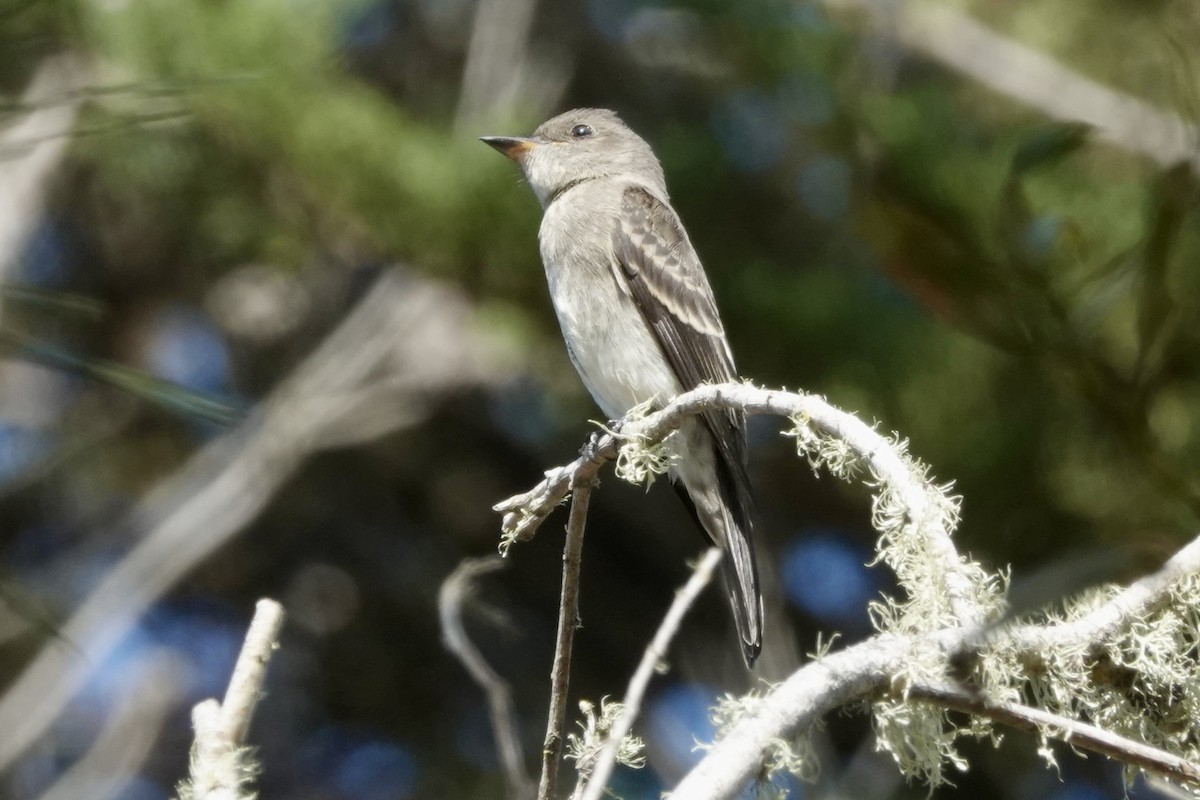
x=591, y=449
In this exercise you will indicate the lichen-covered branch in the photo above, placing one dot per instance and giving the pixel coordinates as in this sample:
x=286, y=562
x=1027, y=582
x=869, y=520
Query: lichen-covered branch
x=793, y=706
x=830, y=437
x=1141, y=711
x=914, y=516
x=1140, y=598
x=1118, y=665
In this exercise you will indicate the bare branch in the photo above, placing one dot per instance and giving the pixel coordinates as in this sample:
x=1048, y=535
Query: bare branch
x=217, y=769
x=568, y=621
x=524, y=513
x=249, y=673
x=1073, y=732
x=455, y=589
x=652, y=658
x=497, y=60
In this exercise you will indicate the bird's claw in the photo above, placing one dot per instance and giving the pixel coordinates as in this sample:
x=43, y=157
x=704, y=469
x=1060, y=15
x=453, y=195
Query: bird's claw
x=591, y=448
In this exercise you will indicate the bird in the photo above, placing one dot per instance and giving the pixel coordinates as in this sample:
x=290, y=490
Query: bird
x=640, y=320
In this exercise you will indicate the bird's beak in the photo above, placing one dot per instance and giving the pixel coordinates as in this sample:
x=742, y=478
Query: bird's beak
x=515, y=147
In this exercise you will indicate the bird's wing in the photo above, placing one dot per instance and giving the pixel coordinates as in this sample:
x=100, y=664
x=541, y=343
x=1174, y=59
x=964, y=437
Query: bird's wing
x=655, y=262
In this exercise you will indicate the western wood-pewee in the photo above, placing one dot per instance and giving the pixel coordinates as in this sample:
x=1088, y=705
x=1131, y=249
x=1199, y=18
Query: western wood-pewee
x=639, y=318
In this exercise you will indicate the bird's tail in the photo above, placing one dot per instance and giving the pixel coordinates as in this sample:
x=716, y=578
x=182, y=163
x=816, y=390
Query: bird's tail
x=741, y=583
x=728, y=524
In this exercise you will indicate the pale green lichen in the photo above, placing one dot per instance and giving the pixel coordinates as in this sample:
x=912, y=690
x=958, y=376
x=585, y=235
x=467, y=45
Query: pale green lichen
x=640, y=461
x=823, y=451
x=911, y=514
x=232, y=771
x=796, y=756
x=584, y=747
x=1143, y=682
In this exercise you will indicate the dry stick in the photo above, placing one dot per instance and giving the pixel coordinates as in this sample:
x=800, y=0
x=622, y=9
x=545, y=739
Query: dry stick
x=651, y=658
x=455, y=589
x=221, y=727
x=250, y=671
x=1073, y=732
x=568, y=620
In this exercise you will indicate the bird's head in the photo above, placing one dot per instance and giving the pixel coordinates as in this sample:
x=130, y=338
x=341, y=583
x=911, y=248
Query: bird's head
x=580, y=145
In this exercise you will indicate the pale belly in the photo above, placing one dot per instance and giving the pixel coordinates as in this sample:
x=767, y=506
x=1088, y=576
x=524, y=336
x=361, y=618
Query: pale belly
x=612, y=348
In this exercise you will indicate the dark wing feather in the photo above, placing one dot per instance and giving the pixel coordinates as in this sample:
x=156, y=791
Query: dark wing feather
x=668, y=284
x=663, y=275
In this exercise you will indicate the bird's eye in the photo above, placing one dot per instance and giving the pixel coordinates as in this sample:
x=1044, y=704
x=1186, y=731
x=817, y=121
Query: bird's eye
x=580, y=131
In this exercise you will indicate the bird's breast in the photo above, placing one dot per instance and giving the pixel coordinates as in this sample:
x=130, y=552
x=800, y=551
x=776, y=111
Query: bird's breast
x=611, y=345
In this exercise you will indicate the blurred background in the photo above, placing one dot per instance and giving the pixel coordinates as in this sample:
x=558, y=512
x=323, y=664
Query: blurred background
x=274, y=324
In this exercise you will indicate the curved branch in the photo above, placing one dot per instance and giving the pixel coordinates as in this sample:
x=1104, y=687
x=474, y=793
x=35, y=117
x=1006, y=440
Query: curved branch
x=886, y=460
x=811, y=692
x=454, y=590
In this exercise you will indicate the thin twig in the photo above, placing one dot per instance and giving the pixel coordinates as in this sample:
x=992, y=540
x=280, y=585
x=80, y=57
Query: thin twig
x=216, y=769
x=1073, y=732
x=524, y=513
x=651, y=659
x=568, y=621
x=455, y=589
